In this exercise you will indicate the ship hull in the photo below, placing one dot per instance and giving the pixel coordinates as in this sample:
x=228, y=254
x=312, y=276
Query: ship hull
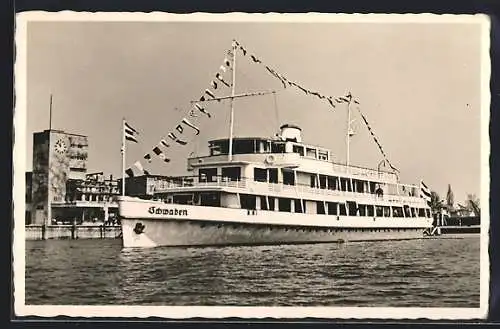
x=153, y=224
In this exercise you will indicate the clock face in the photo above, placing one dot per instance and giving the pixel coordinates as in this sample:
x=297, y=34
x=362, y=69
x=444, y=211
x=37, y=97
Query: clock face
x=60, y=146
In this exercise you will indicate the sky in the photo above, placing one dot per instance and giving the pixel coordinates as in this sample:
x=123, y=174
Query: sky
x=417, y=84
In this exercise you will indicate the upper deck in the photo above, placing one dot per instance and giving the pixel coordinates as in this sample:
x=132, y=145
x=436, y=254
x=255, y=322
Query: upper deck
x=291, y=154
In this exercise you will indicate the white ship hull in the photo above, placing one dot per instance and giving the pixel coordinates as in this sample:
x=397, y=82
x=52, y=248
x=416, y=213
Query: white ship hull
x=152, y=224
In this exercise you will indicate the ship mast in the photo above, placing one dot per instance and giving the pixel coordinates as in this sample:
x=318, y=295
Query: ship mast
x=231, y=116
x=348, y=132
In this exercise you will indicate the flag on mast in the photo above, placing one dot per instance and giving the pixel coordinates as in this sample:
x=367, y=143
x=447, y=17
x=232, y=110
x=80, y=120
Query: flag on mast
x=425, y=192
x=130, y=133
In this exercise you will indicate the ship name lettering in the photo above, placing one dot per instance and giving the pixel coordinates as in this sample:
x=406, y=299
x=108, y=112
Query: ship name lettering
x=165, y=211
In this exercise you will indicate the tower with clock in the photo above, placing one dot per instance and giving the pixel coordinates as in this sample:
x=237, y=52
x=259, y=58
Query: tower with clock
x=57, y=157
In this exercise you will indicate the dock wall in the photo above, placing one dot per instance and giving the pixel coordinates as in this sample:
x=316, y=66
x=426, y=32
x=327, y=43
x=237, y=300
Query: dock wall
x=41, y=232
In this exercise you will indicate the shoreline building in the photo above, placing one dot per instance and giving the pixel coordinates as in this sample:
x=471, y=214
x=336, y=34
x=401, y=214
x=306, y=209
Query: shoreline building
x=61, y=189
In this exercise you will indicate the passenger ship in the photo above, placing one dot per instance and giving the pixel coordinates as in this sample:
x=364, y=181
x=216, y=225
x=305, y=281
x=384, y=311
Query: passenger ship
x=280, y=190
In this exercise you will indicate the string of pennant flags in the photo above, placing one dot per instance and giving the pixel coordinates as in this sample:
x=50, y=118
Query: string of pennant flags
x=218, y=83
x=176, y=135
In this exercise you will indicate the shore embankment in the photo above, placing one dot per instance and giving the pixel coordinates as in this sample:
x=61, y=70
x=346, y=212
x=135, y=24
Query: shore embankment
x=44, y=232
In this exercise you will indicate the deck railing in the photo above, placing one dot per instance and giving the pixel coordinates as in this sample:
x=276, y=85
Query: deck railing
x=299, y=190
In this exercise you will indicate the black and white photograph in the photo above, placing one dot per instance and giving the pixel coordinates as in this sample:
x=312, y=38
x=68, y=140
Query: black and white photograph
x=251, y=165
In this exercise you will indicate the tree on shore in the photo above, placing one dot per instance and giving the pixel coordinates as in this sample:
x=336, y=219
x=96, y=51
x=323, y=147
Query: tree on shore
x=436, y=203
x=472, y=204
x=450, y=199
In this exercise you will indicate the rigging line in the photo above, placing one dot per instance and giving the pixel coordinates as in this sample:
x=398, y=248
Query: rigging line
x=276, y=110
x=375, y=139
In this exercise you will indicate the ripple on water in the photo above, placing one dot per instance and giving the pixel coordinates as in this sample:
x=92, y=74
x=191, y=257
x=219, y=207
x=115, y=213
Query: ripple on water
x=434, y=272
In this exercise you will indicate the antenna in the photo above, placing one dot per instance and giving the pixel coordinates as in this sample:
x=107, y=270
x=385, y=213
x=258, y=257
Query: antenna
x=231, y=117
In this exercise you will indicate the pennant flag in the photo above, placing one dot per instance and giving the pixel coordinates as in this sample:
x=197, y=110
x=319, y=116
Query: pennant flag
x=255, y=59
x=209, y=93
x=345, y=100
x=129, y=172
x=192, y=114
x=338, y=100
x=174, y=138
x=330, y=101
x=227, y=62
x=223, y=68
x=221, y=79
x=164, y=143
x=129, y=132
x=157, y=150
x=214, y=84
x=243, y=50
x=189, y=124
x=139, y=166
x=355, y=101
x=425, y=192
x=179, y=128
x=148, y=157
x=202, y=110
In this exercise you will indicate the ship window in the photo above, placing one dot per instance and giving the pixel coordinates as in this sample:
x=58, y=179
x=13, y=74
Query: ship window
x=310, y=152
x=298, y=205
x=211, y=199
x=359, y=186
x=413, y=212
x=362, y=210
x=271, y=201
x=342, y=208
x=298, y=149
x=263, y=203
x=428, y=213
x=372, y=186
x=387, y=211
x=352, y=208
x=313, y=181
x=397, y=212
x=407, y=211
x=288, y=177
x=369, y=210
x=273, y=175
x=379, y=211
x=183, y=198
x=332, y=183
x=343, y=184
x=260, y=175
x=332, y=208
x=243, y=146
x=323, y=155
x=208, y=174
x=320, y=207
x=421, y=212
x=247, y=201
x=277, y=147
x=322, y=181
x=284, y=204
x=231, y=173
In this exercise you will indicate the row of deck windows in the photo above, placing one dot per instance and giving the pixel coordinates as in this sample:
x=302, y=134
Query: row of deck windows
x=289, y=177
x=253, y=202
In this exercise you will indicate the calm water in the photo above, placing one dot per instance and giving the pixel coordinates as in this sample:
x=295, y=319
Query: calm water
x=434, y=272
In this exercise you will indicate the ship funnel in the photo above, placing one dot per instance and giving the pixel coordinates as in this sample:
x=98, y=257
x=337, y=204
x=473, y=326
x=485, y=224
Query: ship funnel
x=290, y=132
